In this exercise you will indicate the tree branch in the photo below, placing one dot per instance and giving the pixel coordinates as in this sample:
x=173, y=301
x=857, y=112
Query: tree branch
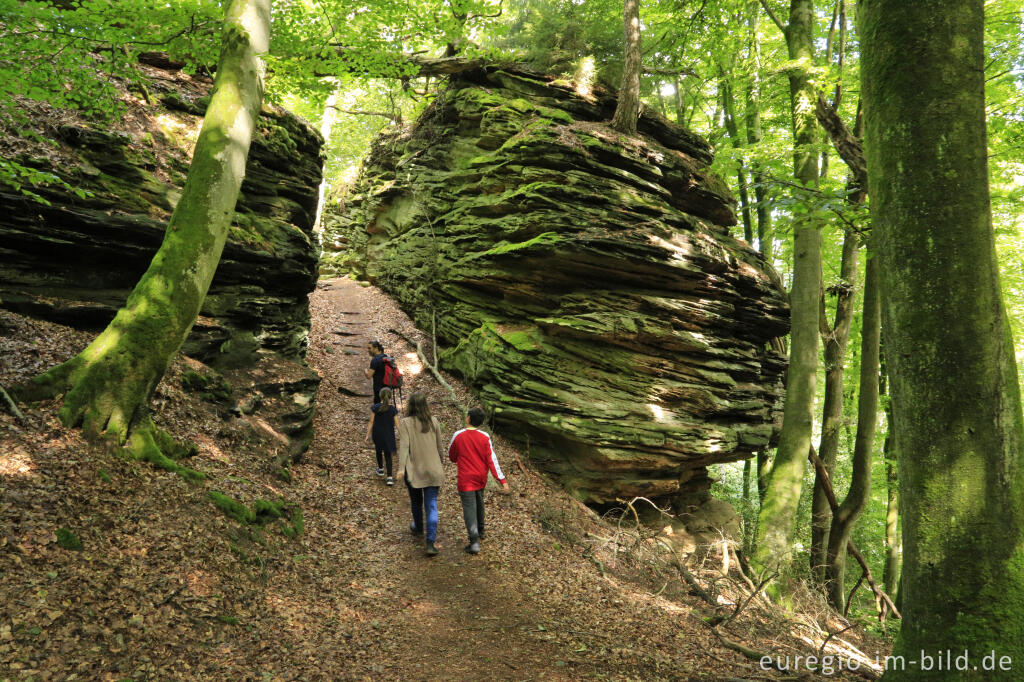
x=845, y=142
x=880, y=596
x=433, y=370
x=359, y=112
x=773, y=16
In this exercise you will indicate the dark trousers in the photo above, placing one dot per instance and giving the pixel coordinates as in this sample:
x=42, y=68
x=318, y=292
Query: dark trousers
x=424, y=504
x=383, y=456
x=473, y=512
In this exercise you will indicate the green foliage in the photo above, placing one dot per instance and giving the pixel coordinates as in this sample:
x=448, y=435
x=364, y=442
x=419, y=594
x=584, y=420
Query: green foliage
x=21, y=178
x=68, y=540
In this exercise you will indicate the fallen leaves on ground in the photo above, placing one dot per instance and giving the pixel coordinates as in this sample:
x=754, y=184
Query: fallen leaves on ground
x=167, y=587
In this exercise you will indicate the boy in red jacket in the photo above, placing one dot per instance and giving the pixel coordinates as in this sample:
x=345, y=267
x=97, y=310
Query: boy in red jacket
x=474, y=457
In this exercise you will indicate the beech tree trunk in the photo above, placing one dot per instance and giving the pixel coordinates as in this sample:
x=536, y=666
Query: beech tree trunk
x=835, y=339
x=752, y=118
x=728, y=108
x=777, y=519
x=956, y=401
x=891, y=572
x=109, y=384
x=628, y=108
x=867, y=414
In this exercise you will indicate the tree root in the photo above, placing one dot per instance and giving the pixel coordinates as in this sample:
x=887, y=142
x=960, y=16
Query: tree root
x=106, y=415
x=52, y=383
x=152, y=444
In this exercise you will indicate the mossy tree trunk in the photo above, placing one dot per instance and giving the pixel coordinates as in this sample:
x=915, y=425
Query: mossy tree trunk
x=108, y=385
x=628, y=108
x=956, y=401
x=777, y=518
x=867, y=414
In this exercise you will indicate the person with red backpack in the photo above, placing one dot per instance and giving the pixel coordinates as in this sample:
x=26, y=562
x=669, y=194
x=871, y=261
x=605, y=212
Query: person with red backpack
x=383, y=370
x=376, y=370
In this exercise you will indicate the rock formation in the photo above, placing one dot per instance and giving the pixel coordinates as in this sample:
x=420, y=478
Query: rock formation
x=584, y=282
x=74, y=259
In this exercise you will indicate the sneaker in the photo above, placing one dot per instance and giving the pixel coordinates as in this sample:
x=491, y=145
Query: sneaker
x=473, y=548
x=431, y=550
x=414, y=530
x=380, y=471
x=390, y=481
x=482, y=536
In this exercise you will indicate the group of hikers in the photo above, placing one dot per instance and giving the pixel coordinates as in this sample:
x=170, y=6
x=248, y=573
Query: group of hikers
x=421, y=455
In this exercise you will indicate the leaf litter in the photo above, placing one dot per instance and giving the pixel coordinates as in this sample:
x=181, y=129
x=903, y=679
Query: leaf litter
x=165, y=586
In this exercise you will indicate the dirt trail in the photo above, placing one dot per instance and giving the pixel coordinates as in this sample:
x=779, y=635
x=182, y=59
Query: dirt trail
x=169, y=588
x=453, y=616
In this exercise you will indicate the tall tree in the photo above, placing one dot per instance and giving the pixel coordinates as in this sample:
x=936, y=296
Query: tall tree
x=893, y=546
x=867, y=414
x=834, y=338
x=628, y=108
x=109, y=384
x=956, y=401
x=752, y=118
x=777, y=517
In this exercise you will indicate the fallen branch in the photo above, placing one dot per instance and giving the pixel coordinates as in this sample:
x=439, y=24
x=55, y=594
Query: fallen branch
x=691, y=580
x=433, y=370
x=12, y=406
x=821, y=649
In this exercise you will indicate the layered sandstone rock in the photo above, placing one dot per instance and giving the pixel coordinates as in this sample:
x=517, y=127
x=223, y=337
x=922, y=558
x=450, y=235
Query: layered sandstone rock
x=584, y=282
x=75, y=258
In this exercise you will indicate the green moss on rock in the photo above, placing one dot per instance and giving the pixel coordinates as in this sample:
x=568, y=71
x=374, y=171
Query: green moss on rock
x=586, y=285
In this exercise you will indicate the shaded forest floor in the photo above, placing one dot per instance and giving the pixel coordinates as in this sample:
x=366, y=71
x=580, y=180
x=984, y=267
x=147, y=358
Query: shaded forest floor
x=167, y=587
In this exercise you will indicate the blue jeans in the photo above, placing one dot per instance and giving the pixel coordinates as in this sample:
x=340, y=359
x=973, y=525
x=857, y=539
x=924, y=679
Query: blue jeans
x=420, y=499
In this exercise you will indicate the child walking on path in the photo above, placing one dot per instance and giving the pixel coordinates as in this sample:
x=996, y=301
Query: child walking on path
x=420, y=463
x=473, y=454
x=382, y=429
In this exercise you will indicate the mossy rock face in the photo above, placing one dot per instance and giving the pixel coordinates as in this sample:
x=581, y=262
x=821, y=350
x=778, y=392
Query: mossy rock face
x=586, y=284
x=75, y=260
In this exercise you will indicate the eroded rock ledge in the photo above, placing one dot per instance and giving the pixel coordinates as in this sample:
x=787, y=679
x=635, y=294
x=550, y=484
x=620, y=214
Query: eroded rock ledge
x=584, y=282
x=75, y=260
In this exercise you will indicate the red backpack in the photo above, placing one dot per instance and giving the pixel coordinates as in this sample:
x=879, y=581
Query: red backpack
x=392, y=375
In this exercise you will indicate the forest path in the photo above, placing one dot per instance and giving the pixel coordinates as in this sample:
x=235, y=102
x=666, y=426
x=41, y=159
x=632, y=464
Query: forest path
x=454, y=616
